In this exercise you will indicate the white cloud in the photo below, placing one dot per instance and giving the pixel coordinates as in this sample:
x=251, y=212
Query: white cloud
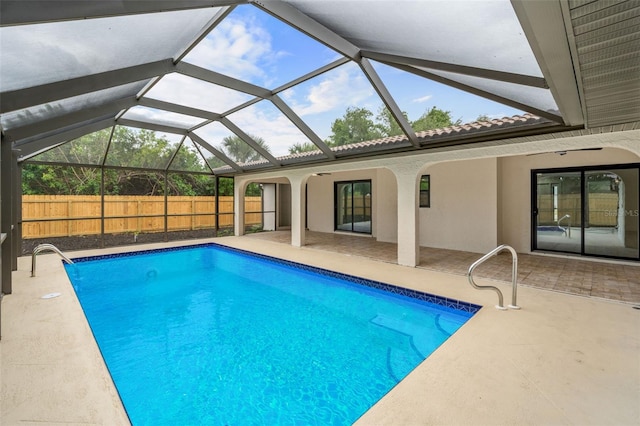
x=338, y=89
x=267, y=122
x=422, y=99
x=183, y=90
x=238, y=48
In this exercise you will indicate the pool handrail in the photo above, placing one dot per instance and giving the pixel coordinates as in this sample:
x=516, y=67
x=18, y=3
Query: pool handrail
x=514, y=276
x=568, y=230
x=46, y=247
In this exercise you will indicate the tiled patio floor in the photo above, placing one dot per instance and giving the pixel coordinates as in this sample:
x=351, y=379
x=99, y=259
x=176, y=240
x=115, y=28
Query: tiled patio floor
x=587, y=277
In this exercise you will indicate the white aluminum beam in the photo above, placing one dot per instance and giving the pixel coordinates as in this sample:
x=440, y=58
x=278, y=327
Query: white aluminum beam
x=61, y=122
x=526, y=80
x=175, y=153
x=312, y=74
x=28, y=149
x=220, y=15
x=18, y=12
x=309, y=26
x=544, y=26
x=180, y=109
x=300, y=124
x=482, y=93
x=388, y=100
x=219, y=154
x=221, y=80
x=241, y=106
x=151, y=126
x=38, y=95
x=249, y=140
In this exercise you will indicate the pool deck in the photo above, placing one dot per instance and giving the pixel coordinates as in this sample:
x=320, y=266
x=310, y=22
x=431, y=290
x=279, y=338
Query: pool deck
x=561, y=359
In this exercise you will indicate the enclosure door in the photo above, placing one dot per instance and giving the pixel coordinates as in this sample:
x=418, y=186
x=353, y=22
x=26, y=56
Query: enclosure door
x=353, y=206
x=558, y=211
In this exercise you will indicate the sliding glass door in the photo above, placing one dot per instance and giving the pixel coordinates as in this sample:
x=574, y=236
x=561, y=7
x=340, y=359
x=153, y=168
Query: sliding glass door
x=588, y=210
x=353, y=206
x=559, y=211
x=611, y=212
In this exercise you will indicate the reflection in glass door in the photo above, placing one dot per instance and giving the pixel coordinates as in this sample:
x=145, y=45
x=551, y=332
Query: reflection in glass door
x=558, y=212
x=353, y=206
x=611, y=213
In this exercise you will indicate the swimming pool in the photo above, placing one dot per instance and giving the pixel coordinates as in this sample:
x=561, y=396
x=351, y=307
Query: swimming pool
x=213, y=335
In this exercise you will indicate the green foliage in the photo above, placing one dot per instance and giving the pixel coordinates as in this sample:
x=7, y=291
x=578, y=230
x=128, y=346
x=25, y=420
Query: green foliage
x=253, y=189
x=129, y=148
x=139, y=148
x=51, y=180
x=225, y=185
x=240, y=151
x=89, y=149
x=302, y=147
x=215, y=162
x=356, y=125
x=434, y=118
x=387, y=124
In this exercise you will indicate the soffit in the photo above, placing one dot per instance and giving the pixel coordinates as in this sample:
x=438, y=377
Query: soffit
x=607, y=41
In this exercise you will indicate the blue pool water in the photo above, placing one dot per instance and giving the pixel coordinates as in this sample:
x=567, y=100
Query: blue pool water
x=210, y=335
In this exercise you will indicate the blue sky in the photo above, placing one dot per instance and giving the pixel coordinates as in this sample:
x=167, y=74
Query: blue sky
x=253, y=46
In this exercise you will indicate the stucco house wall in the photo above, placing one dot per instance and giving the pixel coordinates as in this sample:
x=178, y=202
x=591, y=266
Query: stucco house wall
x=463, y=212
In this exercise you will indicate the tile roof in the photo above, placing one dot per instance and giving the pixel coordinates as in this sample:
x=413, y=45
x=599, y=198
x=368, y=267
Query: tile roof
x=427, y=137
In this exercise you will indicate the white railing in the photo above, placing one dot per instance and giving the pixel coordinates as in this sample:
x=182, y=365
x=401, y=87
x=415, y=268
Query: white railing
x=514, y=276
x=45, y=247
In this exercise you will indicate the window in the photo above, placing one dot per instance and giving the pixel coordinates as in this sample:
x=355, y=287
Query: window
x=425, y=191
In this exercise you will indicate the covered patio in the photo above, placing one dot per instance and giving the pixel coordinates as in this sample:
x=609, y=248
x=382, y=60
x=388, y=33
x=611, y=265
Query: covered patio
x=619, y=281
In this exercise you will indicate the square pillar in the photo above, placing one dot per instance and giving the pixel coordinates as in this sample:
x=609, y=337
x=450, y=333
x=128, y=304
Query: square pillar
x=408, y=220
x=238, y=207
x=298, y=209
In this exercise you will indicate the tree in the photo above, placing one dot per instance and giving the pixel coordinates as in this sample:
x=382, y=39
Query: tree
x=387, y=123
x=483, y=117
x=240, y=151
x=138, y=150
x=302, y=147
x=356, y=125
x=434, y=118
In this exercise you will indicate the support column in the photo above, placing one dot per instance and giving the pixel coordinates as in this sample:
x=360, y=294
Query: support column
x=408, y=220
x=298, y=203
x=239, y=187
x=6, y=213
x=17, y=211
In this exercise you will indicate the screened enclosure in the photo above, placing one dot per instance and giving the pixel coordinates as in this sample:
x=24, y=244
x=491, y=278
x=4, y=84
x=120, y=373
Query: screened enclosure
x=174, y=98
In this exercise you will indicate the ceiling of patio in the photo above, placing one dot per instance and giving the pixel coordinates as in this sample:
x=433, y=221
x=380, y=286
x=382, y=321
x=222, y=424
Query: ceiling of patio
x=201, y=70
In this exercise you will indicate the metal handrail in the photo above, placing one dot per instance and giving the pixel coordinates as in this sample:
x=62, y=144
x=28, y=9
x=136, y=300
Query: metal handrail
x=514, y=276
x=46, y=247
x=566, y=216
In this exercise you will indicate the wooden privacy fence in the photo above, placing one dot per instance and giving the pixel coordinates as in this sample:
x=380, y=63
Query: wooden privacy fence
x=602, y=209
x=73, y=215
